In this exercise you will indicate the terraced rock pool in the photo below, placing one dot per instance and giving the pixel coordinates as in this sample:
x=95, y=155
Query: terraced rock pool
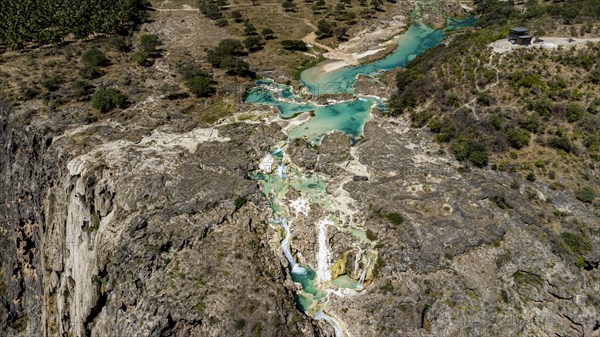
x=279, y=175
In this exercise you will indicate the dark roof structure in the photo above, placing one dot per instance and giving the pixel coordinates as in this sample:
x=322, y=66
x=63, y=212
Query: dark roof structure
x=520, y=29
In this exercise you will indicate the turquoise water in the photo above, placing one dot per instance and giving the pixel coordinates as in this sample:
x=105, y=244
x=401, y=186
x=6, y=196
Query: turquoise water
x=416, y=40
x=347, y=116
x=346, y=281
x=310, y=294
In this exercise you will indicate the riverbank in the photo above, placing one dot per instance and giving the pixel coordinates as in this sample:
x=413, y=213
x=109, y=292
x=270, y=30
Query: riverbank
x=370, y=44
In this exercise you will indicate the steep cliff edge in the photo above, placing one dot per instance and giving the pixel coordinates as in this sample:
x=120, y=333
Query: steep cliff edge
x=132, y=230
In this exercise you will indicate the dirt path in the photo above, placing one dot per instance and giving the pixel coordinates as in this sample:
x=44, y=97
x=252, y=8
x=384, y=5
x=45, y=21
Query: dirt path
x=549, y=42
x=186, y=8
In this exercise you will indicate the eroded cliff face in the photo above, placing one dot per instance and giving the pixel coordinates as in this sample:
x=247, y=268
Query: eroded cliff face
x=151, y=227
x=138, y=231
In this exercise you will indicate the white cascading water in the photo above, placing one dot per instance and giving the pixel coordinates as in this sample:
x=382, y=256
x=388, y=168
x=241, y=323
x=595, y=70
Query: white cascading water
x=361, y=281
x=281, y=170
x=285, y=245
x=334, y=323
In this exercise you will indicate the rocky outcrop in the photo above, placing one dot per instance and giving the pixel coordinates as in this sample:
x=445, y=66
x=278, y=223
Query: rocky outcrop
x=472, y=254
x=134, y=230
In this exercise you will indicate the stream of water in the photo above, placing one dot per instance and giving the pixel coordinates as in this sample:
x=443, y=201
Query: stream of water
x=278, y=175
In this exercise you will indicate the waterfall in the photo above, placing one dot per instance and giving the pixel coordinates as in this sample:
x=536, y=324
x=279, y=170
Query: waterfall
x=285, y=245
x=339, y=332
x=361, y=281
x=281, y=169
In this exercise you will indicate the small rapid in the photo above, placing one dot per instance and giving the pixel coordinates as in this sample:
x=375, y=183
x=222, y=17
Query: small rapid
x=285, y=246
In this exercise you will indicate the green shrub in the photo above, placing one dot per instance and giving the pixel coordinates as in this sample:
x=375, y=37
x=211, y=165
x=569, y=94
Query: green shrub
x=561, y=143
x=526, y=278
x=518, y=138
x=201, y=86
x=108, y=99
x=253, y=43
x=576, y=243
x=239, y=202
x=148, y=43
x=532, y=122
x=51, y=83
x=257, y=330
x=574, y=112
x=435, y=124
x=419, y=119
x=294, y=45
x=94, y=57
x=81, y=88
x=530, y=176
x=118, y=43
x=542, y=106
x=394, y=218
x=268, y=34
x=239, y=324
x=141, y=58
x=221, y=22
x=90, y=72
x=478, y=158
x=236, y=16
x=485, y=98
x=586, y=194
x=500, y=201
x=595, y=75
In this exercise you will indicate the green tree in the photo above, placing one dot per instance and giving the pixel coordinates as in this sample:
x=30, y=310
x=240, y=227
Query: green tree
x=201, y=86
x=268, y=34
x=294, y=45
x=236, y=16
x=94, y=57
x=288, y=6
x=253, y=43
x=249, y=29
x=108, y=99
x=518, y=138
x=210, y=9
x=236, y=66
x=325, y=28
x=26, y=21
